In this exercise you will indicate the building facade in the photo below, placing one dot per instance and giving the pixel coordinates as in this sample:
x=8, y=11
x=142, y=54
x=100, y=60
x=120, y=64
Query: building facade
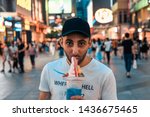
x=28, y=22
x=121, y=20
x=140, y=18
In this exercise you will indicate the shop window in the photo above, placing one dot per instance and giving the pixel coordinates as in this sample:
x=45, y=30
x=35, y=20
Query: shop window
x=120, y=17
x=125, y=17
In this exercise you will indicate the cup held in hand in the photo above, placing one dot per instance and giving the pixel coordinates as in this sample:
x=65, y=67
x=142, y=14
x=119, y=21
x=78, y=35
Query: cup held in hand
x=74, y=86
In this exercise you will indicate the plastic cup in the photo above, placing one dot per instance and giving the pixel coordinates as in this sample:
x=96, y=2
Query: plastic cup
x=74, y=86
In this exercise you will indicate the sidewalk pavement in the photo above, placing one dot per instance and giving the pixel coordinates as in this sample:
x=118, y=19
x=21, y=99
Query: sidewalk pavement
x=16, y=86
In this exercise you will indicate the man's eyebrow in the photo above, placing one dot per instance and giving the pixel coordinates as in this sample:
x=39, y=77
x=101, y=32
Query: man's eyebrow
x=82, y=40
x=68, y=39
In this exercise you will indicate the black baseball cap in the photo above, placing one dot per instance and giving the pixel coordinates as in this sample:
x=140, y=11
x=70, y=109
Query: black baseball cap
x=76, y=25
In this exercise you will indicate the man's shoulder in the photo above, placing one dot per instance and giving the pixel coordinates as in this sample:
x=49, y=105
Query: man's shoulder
x=57, y=62
x=100, y=66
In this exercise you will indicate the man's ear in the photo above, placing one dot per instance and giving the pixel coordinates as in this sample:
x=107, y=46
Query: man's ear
x=61, y=41
x=90, y=43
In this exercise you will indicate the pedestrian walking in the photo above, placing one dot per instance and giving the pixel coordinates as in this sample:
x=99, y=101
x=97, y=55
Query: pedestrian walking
x=99, y=56
x=21, y=54
x=99, y=78
x=135, y=53
x=6, y=55
x=31, y=50
x=115, y=46
x=108, y=47
x=14, y=54
x=94, y=46
x=145, y=48
x=103, y=51
x=127, y=51
x=139, y=42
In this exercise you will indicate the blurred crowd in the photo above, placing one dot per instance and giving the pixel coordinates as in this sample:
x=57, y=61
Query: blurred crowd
x=13, y=53
x=102, y=49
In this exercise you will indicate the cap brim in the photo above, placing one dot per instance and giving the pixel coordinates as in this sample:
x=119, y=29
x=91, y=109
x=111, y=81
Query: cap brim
x=74, y=31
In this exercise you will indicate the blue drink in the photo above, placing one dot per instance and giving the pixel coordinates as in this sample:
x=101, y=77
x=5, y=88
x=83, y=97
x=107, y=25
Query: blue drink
x=72, y=92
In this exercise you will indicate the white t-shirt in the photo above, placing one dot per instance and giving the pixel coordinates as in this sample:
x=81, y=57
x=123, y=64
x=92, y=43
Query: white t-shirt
x=13, y=49
x=107, y=46
x=99, y=84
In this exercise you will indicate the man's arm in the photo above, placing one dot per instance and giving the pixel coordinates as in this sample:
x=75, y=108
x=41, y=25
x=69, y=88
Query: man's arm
x=44, y=95
x=44, y=87
x=109, y=91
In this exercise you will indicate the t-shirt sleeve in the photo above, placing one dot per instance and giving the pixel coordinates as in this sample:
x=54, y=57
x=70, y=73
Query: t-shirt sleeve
x=109, y=87
x=44, y=82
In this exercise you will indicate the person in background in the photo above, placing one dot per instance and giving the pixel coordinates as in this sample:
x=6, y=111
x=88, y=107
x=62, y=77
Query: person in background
x=14, y=53
x=6, y=56
x=120, y=47
x=32, y=53
x=127, y=44
x=99, y=56
x=115, y=46
x=139, y=42
x=94, y=46
x=108, y=45
x=145, y=48
x=103, y=50
x=135, y=53
x=21, y=54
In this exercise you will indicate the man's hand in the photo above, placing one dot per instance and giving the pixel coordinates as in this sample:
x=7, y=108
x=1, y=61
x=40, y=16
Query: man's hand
x=77, y=98
x=44, y=95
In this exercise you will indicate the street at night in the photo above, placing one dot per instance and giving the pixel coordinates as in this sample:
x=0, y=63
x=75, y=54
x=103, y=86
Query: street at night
x=15, y=86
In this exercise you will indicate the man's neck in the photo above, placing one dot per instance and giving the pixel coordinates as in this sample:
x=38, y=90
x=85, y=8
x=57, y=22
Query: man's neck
x=86, y=61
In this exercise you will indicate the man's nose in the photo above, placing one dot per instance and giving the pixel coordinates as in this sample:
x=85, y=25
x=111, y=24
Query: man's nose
x=75, y=50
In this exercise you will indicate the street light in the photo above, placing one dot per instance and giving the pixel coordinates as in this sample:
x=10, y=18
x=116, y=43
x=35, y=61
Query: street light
x=72, y=14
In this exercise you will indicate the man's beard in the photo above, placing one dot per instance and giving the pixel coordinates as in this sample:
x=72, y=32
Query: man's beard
x=80, y=60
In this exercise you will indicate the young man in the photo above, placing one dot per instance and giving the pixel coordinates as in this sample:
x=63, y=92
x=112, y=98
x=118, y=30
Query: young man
x=21, y=54
x=127, y=51
x=100, y=82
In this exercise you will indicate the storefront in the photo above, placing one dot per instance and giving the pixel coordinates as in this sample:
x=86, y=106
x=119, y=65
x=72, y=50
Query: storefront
x=141, y=18
x=2, y=29
x=9, y=30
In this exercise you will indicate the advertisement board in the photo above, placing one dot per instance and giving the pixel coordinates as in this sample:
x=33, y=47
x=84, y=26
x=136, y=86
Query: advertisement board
x=26, y=4
x=59, y=6
x=8, y=5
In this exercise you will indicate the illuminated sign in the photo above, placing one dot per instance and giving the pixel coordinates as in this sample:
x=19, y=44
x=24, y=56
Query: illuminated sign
x=104, y=15
x=8, y=24
x=2, y=27
x=17, y=26
x=60, y=6
x=141, y=4
x=26, y=4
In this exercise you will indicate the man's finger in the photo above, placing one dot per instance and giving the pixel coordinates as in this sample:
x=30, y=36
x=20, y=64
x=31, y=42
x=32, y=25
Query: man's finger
x=77, y=98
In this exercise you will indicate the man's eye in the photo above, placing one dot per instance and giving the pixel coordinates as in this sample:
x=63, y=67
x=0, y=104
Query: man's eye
x=82, y=43
x=69, y=43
